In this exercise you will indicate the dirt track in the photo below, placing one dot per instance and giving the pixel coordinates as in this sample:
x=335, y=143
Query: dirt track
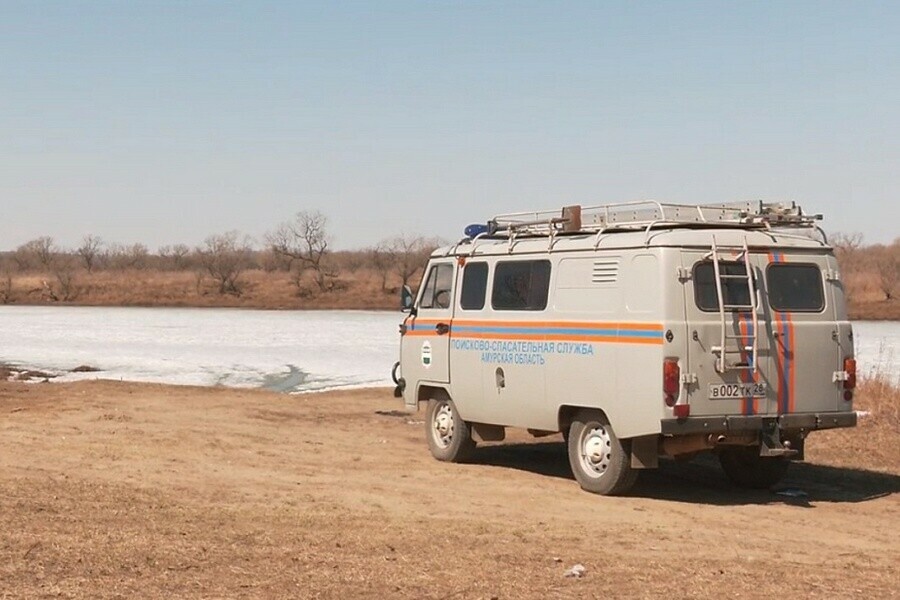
x=127, y=490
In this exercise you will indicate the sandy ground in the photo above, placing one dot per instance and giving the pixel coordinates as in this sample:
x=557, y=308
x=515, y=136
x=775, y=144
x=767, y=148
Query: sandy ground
x=114, y=490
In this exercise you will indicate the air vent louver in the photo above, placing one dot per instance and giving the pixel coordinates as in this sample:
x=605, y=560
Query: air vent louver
x=605, y=270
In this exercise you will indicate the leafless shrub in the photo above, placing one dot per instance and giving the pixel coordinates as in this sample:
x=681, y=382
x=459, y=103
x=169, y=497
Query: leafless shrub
x=225, y=257
x=199, y=276
x=132, y=256
x=63, y=287
x=37, y=253
x=271, y=261
x=89, y=250
x=305, y=241
x=847, y=249
x=175, y=257
x=350, y=261
x=887, y=262
x=6, y=286
x=403, y=255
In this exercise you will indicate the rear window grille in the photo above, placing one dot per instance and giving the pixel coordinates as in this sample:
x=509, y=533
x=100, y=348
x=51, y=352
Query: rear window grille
x=605, y=271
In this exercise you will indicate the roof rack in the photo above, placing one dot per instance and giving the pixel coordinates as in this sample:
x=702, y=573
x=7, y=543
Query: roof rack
x=648, y=214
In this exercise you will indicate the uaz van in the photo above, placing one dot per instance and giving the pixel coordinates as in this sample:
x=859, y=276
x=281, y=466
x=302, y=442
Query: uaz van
x=637, y=330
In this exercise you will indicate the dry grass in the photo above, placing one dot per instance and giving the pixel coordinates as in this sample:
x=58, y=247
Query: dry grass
x=258, y=289
x=115, y=490
x=875, y=442
x=358, y=289
x=870, y=274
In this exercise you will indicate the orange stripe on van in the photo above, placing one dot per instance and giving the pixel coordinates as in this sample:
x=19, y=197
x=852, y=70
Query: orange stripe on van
x=743, y=326
x=579, y=324
x=545, y=337
x=784, y=353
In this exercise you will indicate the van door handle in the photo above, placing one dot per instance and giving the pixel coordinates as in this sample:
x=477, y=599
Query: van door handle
x=442, y=328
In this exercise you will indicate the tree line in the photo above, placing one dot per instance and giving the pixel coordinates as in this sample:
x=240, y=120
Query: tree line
x=301, y=247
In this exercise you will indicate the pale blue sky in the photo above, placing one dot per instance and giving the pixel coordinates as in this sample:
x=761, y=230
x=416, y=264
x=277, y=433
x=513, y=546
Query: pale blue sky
x=164, y=122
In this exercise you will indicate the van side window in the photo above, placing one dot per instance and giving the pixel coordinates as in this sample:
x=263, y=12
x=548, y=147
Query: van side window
x=734, y=291
x=474, y=286
x=521, y=285
x=795, y=287
x=437, y=290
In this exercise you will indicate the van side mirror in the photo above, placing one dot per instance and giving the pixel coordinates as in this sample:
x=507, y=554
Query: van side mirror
x=406, y=299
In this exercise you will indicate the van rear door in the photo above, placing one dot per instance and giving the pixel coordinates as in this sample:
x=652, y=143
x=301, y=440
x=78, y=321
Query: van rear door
x=797, y=342
x=804, y=333
x=740, y=389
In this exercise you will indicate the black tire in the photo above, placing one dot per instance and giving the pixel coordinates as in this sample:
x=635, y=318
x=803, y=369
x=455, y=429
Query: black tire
x=449, y=437
x=600, y=461
x=394, y=373
x=746, y=468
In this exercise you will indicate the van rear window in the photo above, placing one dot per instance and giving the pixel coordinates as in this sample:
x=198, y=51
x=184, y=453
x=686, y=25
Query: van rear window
x=521, y=285
x=795, y=287
x=735, y=292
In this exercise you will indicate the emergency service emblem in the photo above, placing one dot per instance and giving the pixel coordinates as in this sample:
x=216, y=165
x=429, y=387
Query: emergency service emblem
x=426, y=354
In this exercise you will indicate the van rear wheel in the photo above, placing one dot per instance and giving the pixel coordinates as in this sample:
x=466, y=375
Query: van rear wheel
x=746, y=468
x=600, y=461
x=449, y=437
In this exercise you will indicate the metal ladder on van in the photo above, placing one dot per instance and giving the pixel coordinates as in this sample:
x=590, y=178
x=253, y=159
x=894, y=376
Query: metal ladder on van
x=745, y=343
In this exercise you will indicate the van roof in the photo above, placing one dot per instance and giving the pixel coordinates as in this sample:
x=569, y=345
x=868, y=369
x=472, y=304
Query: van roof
x=644, y=224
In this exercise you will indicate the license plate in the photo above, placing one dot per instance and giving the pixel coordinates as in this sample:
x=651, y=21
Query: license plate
x=736, y=391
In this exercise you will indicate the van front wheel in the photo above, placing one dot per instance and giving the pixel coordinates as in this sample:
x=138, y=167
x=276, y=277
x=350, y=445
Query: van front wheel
x=746, y=468
x=449, y=437
x=600, y=461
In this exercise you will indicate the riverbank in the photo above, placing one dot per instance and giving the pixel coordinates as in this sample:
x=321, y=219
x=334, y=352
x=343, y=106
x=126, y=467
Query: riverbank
x=257, y=289
x=268, y=290
x=116, y=489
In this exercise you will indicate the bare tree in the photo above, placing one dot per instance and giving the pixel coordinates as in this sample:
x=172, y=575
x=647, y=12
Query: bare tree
x=175, y=257
x=381, y=261
x=136, y=256
x=63, y=287
x=225, y=257
x=6, y=286
x=406, y=254
x=305, y=240
x=89, y=250
x=887, y=262
x=847, y=249
x=38, y=252
x=65, y=277
x=133, y=256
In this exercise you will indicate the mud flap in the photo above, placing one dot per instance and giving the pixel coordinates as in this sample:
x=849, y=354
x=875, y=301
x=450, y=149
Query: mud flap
x=645, y=452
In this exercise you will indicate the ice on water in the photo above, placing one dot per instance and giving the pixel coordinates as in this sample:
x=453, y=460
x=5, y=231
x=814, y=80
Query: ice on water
x=279, y=350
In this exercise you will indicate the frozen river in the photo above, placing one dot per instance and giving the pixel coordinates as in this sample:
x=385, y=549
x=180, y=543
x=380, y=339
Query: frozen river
x=280, y=350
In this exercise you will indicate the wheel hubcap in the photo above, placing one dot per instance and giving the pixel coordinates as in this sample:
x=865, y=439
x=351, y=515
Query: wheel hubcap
x=442, y=426
x=596, y=450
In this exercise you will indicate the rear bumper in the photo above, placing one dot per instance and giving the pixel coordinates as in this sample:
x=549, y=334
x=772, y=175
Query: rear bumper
x=739, y=423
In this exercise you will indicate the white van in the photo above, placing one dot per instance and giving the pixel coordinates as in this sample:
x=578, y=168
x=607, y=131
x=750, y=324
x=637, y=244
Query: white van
x=638, y=330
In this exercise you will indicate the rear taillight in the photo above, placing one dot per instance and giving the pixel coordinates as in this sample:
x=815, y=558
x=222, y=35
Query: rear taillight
x=850, y=369
x=681, y=411
x=671, y=381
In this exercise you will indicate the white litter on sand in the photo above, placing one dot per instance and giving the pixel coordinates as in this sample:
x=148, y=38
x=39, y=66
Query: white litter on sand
x=577, y=571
